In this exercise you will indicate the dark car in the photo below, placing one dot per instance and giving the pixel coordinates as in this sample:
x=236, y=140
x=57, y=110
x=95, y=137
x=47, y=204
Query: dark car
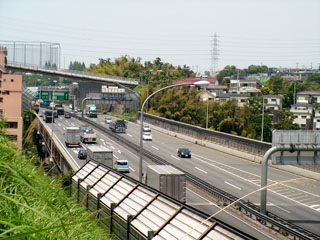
x=67, y=115
x=184, y=152
x=82, y=154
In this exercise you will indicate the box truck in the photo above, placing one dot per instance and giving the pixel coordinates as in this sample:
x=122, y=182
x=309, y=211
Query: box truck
x=72, y=136
x=88, y=136
x=100, y=154
x=167, y=180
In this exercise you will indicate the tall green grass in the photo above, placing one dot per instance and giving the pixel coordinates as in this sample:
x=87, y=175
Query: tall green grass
x=35, y=206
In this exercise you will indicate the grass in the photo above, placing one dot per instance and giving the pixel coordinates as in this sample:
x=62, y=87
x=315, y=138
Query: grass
x=35, y=206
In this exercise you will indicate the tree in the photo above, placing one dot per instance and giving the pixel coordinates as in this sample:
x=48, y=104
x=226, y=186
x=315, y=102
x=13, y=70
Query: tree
x=315, y=77
x=286, y=121
x=275, y=83
x=228, y=71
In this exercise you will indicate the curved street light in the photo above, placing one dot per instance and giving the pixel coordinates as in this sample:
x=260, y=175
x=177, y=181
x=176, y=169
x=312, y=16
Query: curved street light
x=202, y=84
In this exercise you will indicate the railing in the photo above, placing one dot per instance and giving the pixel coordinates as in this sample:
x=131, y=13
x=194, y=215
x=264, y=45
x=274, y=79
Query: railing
x=73, y=73
x=239, y=143
x=269, y=220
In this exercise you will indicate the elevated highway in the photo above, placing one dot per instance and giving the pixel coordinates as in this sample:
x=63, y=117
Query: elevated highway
x=298, y=202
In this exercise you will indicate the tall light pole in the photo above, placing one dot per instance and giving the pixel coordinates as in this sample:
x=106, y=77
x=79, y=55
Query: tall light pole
x=52, y=121
x=203, y=84
x=75, y=85
x=207, y=113
x=262, y=124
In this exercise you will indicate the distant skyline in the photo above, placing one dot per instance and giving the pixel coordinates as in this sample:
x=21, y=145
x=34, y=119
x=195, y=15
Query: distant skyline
x=276, y=33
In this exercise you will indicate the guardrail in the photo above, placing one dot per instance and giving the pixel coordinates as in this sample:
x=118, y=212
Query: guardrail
x=78, y=74
x=270, y=220
x=239, y=143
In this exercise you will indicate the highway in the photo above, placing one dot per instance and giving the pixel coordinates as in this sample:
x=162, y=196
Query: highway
x=298, y=202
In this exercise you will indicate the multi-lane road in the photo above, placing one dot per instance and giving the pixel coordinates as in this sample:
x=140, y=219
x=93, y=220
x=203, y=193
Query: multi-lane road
x=297, y=201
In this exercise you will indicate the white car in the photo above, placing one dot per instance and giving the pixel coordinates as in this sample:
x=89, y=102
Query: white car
x=108, y=120
x=147, y=136
x=146, y=129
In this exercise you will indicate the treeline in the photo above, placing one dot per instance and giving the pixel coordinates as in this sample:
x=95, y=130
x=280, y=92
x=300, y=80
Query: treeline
x=155, y=71
x=77, y=66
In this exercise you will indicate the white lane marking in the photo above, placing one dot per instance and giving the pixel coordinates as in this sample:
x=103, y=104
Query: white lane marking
x=272, y=204
x=72, y=124
x=257, y=184
x=200, y=170
x=94, y=120
x=112, y=147
x=155, y=147
x=115, y=156
x=104, y=143
x=119, y=151
x=101, y=139
x=315, y=205
x=209, y=202
x=129, y=135
x=67, y=121
x=132, y=169
x=108, y=143
x=59, y=124
x=232, y=185
x=75, y=162
x=175, y=157
x=64, y=128
x=83, y=146
x=234, y=216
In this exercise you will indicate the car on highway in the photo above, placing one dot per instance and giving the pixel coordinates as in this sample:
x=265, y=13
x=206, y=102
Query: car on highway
x=122, y=166
x=67, y=115
x=147, y=136
x=82, y=154
x=184, y=152
x=108, y=120
x=146, y=129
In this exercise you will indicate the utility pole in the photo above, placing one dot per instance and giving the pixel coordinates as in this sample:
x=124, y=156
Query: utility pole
x=214, y=54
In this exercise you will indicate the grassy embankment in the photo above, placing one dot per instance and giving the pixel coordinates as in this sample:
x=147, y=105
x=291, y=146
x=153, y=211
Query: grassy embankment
x=35, y=206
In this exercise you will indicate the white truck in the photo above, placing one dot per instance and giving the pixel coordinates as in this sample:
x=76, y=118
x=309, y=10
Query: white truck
x=101, y=154
x=88, y=136
x=168, y=180
x=72, y=136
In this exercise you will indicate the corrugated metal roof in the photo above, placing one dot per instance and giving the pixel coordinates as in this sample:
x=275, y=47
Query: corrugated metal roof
x=152, y=211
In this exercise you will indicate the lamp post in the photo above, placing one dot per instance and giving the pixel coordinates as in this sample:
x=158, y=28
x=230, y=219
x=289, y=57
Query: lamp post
x=52, y=121
x=198, y=83
x=207, y=113
x=262, y=124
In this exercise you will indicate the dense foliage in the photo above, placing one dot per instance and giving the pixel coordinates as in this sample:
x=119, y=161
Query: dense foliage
x=33, y=206
x=156, y=71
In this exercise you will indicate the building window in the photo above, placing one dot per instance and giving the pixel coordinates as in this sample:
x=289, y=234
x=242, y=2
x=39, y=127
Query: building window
x=303, y=116
x=1, y=112
x=12, y=80
x=318, y=120
x=12, y=125
x=5, y=93
x=273, y=100
x=1, y=99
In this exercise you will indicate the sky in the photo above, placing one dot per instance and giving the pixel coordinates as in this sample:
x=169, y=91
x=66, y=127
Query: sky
x=276, y=33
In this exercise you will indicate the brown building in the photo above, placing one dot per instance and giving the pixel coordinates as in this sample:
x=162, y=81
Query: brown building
x=11, y=100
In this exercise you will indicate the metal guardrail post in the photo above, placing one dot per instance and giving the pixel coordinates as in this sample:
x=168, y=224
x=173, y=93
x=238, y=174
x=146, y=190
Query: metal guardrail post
x=129, y=219
x=112, y=206
x=98, y=204
x=78, y=187
x=87, y=196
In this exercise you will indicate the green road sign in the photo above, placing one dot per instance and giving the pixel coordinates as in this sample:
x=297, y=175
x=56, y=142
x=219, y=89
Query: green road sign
x=58, y=95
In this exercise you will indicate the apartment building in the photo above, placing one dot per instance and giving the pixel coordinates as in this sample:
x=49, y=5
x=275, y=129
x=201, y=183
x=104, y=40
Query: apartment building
x=11, y=100
x=310, y=97
x=242, y=86
x=304, y=115
x=316, y=119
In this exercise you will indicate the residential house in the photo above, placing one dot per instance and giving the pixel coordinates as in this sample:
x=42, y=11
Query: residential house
x=304, y=115
x=310, y=97
x=274, y=104
x=316, y=119
x=241, y=86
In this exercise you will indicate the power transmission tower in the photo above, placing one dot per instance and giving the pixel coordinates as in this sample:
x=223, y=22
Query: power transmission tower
x=214, y=54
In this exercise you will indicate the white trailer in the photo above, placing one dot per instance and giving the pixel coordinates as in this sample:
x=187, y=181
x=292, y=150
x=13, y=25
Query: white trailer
x=168, y=180
x=102, y=155
x=72, y=136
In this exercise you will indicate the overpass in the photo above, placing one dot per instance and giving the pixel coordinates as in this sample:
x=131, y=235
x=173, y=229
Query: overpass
x=44, y=58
